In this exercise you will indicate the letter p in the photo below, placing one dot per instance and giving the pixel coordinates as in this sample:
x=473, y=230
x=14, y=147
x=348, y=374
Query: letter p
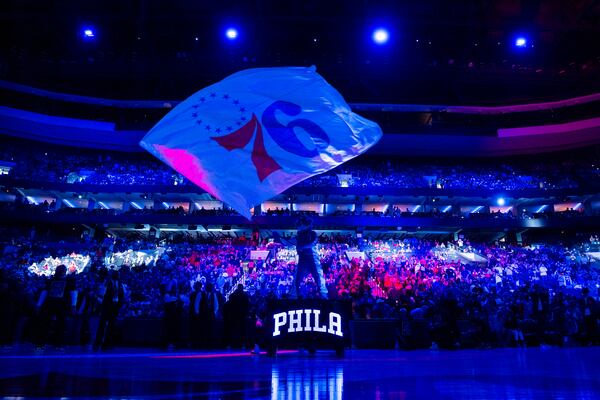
x=280, y=319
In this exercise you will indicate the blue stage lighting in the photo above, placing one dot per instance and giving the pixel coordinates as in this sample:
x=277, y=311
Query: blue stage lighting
x=380, y=36
x=88, y=33
x=521, y=42
x=231, y=33
x=500, y=201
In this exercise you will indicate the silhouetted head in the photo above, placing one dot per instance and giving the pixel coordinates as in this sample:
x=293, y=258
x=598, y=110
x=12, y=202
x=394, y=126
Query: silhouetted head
x=60, y=271
x=114, y=274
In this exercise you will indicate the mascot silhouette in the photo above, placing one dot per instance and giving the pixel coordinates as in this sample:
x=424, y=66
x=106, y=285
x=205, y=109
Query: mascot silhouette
x=308, y=259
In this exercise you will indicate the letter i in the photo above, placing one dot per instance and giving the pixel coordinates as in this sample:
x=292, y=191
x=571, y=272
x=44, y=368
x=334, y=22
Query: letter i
x=307, y=326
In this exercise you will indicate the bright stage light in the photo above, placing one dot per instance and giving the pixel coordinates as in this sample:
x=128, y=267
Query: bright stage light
x=231, y=33
x=380, y=36
x=521, y=42
x=501, y=201
x=88, y=33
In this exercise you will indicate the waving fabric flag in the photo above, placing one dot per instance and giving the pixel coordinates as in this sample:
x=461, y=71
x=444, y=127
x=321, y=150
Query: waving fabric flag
x=258, y=132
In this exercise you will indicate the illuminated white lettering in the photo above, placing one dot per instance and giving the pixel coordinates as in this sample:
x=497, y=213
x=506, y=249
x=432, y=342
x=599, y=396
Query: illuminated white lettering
x=316, y=327
x=295, y=323
x=295, y=319
x=280, y=321
x=307, y=327
x=335, y=324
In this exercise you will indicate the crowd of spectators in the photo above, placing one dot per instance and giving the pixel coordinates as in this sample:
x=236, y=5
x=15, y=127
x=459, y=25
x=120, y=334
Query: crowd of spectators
x=55, y=164
x=502, y=176
x=99, y=168
x=505, y=290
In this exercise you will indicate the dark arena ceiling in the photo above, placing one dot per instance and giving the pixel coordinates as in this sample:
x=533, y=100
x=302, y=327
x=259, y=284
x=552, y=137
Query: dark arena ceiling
x=444, y=52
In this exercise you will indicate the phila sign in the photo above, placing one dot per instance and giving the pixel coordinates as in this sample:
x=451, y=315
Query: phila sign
x=308, y=323
x=307, y=320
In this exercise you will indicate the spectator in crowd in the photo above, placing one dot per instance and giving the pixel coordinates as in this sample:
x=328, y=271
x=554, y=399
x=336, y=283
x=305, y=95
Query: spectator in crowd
x=209, y=311
x=194, y=312
x=589, y=309
x=112, y=295
x=237, y=309
x=172, y=308
x=58, y=299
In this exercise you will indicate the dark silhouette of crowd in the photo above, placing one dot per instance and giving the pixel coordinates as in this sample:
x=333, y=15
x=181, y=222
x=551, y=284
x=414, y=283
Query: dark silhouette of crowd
x=454, y=293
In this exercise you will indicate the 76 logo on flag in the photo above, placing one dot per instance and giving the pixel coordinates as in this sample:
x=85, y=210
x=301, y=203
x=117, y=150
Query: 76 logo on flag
x=259, y=132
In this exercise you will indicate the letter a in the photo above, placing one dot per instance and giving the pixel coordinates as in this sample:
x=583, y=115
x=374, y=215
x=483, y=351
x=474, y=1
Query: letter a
x=335, y=324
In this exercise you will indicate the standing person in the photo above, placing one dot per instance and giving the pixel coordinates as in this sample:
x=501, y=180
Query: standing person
x=195, y=300
x=209, y=308
x=56, y=300
x=308, y=259
x=85, y=307
x=97, y=292
x=112, y=300
x=540, y=299
x=238, y=307
x=171, y=315
x=588, y=310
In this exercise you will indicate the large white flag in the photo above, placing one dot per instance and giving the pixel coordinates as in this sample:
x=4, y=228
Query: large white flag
x=258, y=132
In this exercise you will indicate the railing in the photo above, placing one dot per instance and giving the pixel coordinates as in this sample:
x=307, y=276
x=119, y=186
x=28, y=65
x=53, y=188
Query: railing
x=376, y=290
x=240, y=279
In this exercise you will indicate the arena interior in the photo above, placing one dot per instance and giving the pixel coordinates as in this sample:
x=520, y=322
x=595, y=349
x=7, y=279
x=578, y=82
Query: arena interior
x=457, y=258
